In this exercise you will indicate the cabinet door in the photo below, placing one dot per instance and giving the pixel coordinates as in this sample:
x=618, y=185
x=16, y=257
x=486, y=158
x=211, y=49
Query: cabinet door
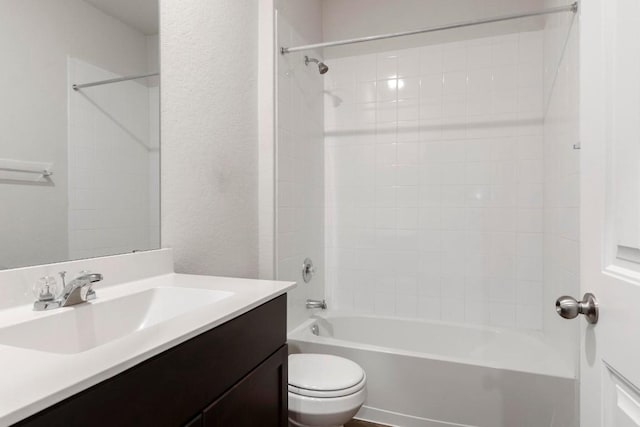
x=259, y=399
x=196, y=422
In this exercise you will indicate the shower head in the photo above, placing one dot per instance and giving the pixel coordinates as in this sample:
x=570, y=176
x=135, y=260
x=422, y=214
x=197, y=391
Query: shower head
x=322, y=67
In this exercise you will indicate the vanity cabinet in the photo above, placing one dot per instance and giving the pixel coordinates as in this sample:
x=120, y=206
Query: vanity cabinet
x=232, y=375
x=252, y=401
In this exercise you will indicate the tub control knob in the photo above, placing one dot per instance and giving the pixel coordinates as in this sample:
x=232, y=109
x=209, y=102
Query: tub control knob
x=308, y=270
x=569, y=308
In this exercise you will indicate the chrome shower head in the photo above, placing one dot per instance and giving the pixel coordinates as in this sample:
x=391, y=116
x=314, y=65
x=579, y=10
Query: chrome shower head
x=322, y=67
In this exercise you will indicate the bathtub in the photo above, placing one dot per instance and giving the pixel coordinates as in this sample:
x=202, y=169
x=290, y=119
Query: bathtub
x=437, y=374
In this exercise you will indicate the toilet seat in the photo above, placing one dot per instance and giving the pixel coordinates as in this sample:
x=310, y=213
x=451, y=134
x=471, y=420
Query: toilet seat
x=324, y=376
x=328, y=393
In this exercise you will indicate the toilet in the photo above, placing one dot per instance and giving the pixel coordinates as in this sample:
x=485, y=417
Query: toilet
x=324, y=390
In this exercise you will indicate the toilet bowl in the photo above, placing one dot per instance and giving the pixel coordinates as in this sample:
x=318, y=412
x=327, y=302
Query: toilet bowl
x=324, y=390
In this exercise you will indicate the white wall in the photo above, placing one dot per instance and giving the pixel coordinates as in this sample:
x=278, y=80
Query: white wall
x=36, y=37
x=562, y=188
x=344, y=19
x=434, y=181
x=300, y=157
x=209, y=135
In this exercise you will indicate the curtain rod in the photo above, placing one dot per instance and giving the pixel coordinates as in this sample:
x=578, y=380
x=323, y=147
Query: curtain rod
x=568, y=8
x=116, y=80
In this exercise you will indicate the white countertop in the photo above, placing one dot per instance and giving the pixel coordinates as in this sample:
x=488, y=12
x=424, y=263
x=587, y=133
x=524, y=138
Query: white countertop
x=31, y=380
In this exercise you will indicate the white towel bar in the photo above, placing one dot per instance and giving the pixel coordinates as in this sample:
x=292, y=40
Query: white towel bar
x=25, y=171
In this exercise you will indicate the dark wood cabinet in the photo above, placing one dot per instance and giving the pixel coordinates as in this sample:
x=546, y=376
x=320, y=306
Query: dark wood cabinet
x=234, y=374
x=196, y=422
x=259, y=399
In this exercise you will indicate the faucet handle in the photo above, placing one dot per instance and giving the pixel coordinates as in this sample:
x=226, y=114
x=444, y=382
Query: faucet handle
x=46, y=289
x=63, y=274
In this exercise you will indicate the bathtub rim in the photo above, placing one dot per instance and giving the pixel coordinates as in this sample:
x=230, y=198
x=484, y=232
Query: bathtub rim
x=303, y=333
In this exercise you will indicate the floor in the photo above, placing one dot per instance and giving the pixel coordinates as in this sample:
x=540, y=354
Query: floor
x=358, y=423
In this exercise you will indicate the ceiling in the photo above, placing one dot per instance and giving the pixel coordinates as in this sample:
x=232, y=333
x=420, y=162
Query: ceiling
x=139, y=14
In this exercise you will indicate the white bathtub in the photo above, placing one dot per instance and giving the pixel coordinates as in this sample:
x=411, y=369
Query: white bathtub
x=436, y=374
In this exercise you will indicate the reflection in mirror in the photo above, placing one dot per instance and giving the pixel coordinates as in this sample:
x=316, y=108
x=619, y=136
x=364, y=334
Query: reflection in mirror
x=79, y=168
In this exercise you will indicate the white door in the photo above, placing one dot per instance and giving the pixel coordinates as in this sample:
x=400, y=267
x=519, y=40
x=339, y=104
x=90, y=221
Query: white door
x=610, y=211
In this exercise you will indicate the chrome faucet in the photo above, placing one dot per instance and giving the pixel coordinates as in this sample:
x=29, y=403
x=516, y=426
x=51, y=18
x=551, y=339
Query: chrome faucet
x=312, y=303
x=77, y=291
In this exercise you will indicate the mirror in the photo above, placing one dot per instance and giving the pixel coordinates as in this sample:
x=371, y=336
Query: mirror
x=79, y=167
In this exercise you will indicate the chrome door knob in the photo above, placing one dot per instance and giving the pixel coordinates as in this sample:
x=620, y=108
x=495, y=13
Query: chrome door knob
x=569, y=308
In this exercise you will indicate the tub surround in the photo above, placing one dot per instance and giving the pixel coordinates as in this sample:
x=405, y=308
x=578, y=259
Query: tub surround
x=34, y=380
x=502, y=348
x=454, y=375
x=433, y=175
x=299, y=156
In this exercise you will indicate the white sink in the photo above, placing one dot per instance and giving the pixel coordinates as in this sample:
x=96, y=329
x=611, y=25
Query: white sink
x=85, y=326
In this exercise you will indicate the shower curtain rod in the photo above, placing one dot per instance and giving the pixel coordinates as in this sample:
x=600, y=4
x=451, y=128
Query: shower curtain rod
x=568, y=8
x=116, y=80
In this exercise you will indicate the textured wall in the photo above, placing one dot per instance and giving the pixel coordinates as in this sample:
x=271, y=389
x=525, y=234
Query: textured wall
x=209, y=127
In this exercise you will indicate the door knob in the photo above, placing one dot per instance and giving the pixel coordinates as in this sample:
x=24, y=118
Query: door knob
x=569, y=308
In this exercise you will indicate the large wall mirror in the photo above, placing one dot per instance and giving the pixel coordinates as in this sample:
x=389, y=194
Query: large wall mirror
x=79, y=129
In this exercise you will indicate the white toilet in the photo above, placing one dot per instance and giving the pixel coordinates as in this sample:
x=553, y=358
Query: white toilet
x=324, y=390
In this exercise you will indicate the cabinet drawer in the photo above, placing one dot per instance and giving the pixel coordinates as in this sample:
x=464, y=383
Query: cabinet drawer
x=171, y=388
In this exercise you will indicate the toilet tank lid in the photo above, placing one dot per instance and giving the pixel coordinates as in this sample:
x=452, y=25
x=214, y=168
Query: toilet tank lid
x=323, y=372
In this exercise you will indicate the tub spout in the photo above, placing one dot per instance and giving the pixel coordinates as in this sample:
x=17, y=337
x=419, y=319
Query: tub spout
x=312, y=303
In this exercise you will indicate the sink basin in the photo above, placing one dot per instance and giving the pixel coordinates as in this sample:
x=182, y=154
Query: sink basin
x=85, y=326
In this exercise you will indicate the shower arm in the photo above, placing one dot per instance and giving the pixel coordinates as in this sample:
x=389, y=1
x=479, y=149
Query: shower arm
x=307, y=60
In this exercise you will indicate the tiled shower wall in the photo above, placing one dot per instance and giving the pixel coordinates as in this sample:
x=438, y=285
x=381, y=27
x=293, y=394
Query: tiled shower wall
x=110, y=165
x=434, y=181
x=300, y=159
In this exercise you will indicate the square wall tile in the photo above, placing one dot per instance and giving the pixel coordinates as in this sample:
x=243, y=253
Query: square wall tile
x=435, y=183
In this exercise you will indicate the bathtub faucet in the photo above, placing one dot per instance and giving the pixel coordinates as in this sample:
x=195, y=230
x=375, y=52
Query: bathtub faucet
x=312, y=303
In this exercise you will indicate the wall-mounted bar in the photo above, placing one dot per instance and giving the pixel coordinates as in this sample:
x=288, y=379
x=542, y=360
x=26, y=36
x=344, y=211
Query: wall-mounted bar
x=116, y=80
x=14, y=169
x=569, y=8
